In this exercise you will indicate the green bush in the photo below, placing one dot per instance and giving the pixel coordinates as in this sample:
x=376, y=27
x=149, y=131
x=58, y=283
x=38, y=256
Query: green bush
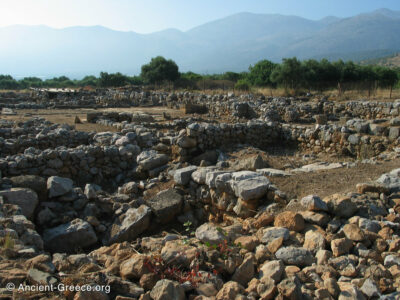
x=242, y=85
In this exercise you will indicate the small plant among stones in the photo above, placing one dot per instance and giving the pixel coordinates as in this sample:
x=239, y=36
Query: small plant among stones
x=223, y=248
x=188, y=229
x=156, y=265
x=7, y=242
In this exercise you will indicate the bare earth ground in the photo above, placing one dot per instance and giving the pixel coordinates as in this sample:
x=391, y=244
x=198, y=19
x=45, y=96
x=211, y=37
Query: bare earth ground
x=67, y=116
x=322, y=183
x=325, y=183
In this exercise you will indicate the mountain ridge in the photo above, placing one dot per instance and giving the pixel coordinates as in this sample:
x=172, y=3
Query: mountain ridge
x=227, y=44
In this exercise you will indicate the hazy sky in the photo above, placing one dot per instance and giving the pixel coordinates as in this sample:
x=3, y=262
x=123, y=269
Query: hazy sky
x=145, y=16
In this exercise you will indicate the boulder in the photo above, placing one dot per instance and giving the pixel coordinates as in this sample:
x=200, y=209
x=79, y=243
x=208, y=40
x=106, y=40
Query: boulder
x=251, y=163
x=25, y=198
x=199, y=175
x=149, y=160
x=33, y=182
x=182, y=176
x=186, y=142
x=130, y=225
x=69, y=237
x=58, y=186
x=390, y=181
x=166, y=205
x=249, y=185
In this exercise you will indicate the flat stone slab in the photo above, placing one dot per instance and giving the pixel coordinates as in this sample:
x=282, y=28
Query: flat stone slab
x=319, y=166
x=273, y=172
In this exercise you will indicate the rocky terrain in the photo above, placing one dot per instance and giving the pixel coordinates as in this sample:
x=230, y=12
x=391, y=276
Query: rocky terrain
x=197, y=207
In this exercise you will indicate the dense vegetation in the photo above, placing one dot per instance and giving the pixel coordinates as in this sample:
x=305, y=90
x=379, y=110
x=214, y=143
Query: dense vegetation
x=290, y=74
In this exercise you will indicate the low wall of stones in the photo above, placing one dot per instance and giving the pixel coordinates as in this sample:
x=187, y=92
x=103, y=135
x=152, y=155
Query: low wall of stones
x=200, y=137
x=22, y=140
x=106, y=165
x=293, y=110
x=333, y=139
x=336, y=140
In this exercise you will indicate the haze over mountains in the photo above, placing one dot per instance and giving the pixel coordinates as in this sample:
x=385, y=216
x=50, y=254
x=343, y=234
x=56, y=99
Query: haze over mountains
x=228, y=44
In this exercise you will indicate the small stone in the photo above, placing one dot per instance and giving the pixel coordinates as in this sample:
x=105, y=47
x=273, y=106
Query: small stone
x=91, y=191
x=166, y=289
x=295, y=256
x=323, y=256
x=134, y=267
x=273, y=233
x=229, y=291
x=314, y=203
x=341, y=246
x=206, y=289
x=275, y=244
x=351, y=293
x=272, y=269
x=263, y=220
x=341, y=206
x=245, y=272
x=266, y=289
x=208, y=233
x=289, y=288
x=314, y=241
x=370, y=289
x=247, y=242
x=290, y=220
x=332, y=286
x=353, y=232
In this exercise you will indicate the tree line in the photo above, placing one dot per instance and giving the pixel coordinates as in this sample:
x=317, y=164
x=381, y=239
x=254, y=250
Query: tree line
x=290, y=74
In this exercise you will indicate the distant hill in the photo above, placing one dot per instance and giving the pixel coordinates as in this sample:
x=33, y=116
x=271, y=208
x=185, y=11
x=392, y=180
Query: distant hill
x=391, y=61
x=231, y=43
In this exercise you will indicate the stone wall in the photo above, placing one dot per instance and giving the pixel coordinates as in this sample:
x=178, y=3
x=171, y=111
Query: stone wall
x=333, y=139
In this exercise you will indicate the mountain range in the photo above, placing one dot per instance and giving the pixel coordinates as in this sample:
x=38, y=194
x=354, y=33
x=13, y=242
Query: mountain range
x=229, y=44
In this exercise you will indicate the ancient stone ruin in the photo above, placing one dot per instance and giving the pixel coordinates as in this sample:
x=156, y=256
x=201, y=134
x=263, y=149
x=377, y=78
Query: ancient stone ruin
x=211, y=203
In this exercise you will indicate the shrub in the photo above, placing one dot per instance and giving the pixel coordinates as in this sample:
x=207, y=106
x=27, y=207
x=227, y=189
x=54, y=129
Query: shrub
x=242, y=85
